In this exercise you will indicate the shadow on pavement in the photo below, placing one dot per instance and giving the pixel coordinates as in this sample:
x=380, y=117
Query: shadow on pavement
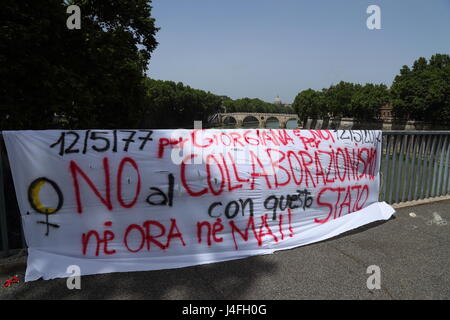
x=362, y=228
x=225, y=280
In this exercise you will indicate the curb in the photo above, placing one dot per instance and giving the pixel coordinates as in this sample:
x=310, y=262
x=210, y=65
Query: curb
x=420, y=202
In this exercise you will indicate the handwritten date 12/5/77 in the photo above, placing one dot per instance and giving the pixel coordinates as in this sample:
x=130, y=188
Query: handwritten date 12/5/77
x=358, y=136
x=101, y=141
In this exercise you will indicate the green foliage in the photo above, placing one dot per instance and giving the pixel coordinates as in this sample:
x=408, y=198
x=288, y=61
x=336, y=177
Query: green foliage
x=423, y=92
x=310, y=104
x=91, y=77
x=174, y=105
x=342, y=100
x=367, y=100
x=254, y=105
x=338, y=99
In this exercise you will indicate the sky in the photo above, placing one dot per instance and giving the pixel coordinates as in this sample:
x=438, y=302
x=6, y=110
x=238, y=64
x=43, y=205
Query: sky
x=264, y=48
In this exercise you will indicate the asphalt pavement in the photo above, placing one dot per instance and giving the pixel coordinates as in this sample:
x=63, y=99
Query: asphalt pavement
x=412, y=251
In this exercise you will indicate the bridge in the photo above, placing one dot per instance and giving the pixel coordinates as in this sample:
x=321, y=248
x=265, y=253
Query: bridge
x=254, y=120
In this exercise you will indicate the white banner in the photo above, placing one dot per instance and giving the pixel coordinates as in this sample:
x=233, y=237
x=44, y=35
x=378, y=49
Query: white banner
x=132, y=200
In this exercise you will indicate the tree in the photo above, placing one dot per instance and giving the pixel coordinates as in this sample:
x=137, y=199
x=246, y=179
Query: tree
x=254, y=105
x=309, y=104
x=174, y=105
x=338, y=99
x=91, y=77
x=367, y=100
x=342, y=100
x=423, y=92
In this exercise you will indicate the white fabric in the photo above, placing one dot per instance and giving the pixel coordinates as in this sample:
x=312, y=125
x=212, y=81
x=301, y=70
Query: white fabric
x=176, y=189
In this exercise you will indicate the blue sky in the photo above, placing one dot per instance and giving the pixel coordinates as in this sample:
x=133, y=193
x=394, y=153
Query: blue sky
x=261, y=48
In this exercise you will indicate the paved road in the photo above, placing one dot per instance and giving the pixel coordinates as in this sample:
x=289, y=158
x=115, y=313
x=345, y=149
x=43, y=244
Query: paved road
x=413, y=253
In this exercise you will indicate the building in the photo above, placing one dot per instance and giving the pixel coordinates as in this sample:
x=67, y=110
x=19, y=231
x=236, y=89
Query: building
x=278, y=102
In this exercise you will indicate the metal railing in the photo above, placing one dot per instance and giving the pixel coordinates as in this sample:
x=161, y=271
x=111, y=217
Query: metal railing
x=414, y=165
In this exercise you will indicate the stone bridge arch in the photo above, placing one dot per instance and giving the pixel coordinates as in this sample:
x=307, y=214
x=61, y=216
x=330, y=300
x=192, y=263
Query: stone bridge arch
x=251, y=121
x=292, y=123
x=272, y=123
x=230, y=122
